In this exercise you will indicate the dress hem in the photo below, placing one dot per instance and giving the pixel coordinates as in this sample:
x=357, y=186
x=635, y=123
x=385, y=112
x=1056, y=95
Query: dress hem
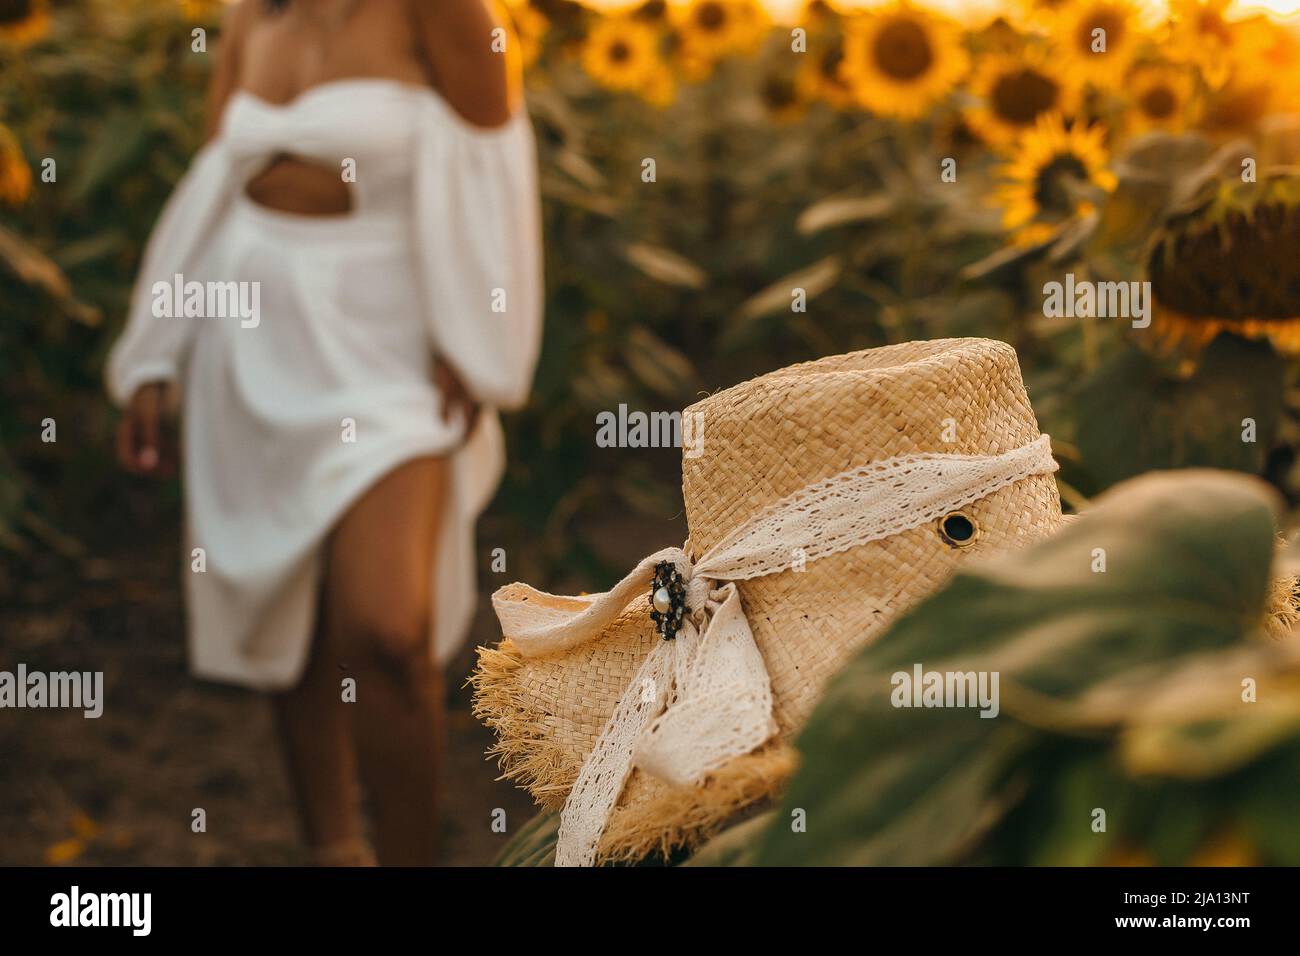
x=283, y=672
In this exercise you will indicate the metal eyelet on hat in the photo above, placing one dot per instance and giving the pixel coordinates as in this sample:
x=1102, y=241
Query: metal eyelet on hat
x=668, y=600
x=958, y=529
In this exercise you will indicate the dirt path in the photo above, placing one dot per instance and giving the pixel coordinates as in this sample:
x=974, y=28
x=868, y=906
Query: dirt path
x=121, y=789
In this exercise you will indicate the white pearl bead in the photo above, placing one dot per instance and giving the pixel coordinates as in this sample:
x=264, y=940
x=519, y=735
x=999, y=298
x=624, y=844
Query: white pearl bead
x=663, y=601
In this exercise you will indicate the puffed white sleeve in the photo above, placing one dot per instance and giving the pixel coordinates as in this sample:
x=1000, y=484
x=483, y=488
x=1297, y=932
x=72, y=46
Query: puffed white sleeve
x=153, y=346
x=478, y=242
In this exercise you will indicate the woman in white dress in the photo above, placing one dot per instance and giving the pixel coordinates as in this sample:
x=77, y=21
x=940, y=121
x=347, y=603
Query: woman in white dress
x=342, y=290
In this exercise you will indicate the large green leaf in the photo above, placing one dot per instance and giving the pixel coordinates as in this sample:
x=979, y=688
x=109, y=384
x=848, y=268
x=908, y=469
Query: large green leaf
x=1187, y=559
x=1267, y=807
x=534, y=844
x=1134, y=417
x=1057, y=827
x=735, y=846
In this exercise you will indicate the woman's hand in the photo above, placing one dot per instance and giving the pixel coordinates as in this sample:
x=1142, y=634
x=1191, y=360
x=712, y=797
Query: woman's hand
x=144, y=445
x=456, y=400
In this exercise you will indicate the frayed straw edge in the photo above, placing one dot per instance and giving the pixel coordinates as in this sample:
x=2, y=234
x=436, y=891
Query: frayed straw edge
x=677, y=817
x=669, y=818
x=524, y=751
x=1282, y=614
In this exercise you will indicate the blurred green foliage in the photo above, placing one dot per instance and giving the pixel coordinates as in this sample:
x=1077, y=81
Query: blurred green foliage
x=1122, y=691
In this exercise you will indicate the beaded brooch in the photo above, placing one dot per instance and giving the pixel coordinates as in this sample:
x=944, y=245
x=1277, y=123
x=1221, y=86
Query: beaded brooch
x=667, y=600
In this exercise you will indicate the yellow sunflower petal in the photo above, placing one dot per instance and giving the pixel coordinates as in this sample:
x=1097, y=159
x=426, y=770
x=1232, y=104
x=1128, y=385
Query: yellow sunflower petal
x=1035, y=192
x=1161, y=96
x=1096, y=40
x=622, y=53
x=1014, y=90
x=900, y=60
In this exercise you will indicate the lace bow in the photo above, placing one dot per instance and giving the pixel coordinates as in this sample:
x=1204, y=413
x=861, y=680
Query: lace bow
x=704, y=698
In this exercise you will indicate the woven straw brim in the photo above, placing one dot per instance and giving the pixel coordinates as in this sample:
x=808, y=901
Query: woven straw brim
x=763, y=440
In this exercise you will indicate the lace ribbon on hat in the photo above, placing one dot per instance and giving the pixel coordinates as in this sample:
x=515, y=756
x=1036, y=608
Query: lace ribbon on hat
x=704, y=698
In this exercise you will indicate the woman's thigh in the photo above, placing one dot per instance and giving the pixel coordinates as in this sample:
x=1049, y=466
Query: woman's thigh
x=379, y=581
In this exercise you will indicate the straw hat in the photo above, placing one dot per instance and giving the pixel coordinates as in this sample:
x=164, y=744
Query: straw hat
x=764, y=441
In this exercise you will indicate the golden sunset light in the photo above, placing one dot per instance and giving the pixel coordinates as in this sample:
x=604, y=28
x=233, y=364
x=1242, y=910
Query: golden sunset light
x=643, y=434
x=967, y=11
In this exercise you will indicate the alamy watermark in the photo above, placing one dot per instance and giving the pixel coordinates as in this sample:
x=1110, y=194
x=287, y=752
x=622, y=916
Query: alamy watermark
x=625, y=429
x=1084, y=299
x=922, y=688
x=130, y=910
x=77, y=690
x=179, y=299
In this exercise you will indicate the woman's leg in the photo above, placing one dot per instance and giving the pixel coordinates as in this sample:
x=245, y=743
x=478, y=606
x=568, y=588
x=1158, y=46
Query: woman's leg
x=316, y=740
x=378, y=606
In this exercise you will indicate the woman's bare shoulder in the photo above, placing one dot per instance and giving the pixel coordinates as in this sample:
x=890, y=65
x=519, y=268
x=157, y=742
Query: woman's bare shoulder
x=463, y=48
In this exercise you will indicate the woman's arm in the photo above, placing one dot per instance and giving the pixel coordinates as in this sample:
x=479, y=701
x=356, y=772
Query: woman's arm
x=225, y=71
x=143, y=445
x=455, y=38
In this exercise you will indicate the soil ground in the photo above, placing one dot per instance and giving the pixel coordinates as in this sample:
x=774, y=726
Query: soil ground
x=121, y=789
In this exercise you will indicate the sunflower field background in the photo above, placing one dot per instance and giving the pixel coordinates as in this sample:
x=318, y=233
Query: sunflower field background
x=728, y=187
x=912, y=173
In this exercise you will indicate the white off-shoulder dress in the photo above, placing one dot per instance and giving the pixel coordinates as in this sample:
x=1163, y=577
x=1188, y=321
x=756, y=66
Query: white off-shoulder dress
x=311, y=377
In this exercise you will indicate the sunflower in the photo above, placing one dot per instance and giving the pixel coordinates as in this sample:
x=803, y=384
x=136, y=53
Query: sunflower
x=622, y=53
x=710, y=30
x=1053, y=169
x=1230, y=266
x=900, y=60
x=24, y=21
x=15, y=175
x=1014, y=91
x=530, y=31
x=1161, y=96
x=1267, y=52
x=1201, y=34
x=819, y=77
x=1096, y=40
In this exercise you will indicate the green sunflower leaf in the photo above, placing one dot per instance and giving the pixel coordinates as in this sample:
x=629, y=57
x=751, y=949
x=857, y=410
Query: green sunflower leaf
x=1134, y=417
x=1187, y=570
x=534, y=844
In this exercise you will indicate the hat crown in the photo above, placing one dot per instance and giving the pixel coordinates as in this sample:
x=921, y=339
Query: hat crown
x=767, y=438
